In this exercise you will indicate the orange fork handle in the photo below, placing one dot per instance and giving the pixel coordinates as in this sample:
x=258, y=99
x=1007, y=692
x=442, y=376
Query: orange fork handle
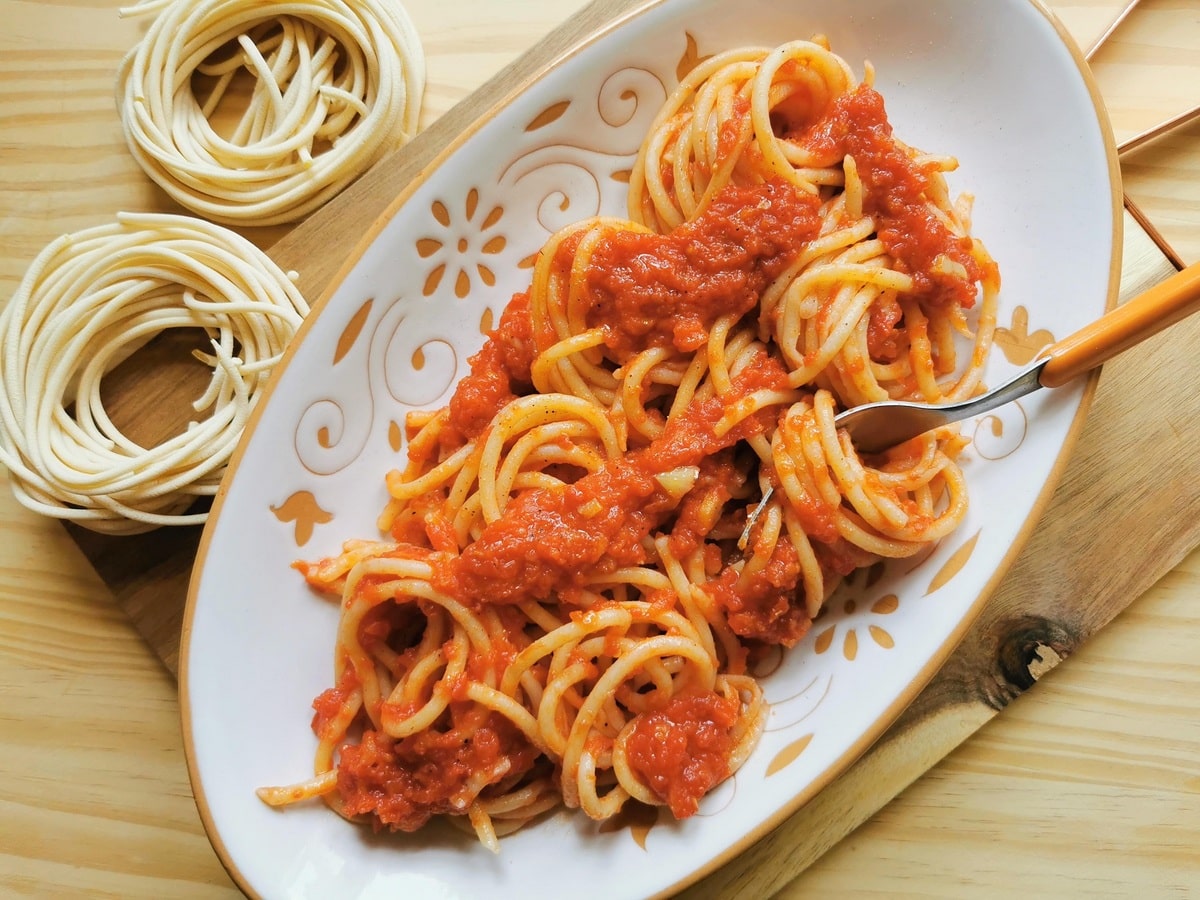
x=1119, y=329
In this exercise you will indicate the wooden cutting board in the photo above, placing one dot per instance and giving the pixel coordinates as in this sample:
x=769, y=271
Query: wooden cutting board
x=1131, y=485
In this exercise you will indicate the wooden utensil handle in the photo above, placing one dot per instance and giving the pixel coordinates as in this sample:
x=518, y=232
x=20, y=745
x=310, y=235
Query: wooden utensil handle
x=1130, y=323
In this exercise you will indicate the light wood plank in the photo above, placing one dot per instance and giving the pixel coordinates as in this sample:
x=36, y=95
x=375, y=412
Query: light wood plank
x=1148, y=73
x=1089, y=780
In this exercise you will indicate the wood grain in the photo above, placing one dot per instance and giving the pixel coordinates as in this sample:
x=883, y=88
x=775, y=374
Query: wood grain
x=1146, y=72
x=1089, y=782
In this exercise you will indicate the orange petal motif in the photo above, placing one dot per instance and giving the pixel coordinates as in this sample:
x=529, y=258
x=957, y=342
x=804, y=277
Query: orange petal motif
x=850, y=645
x=487, y=321
x=886, y=605
x=351, y=332
x=882, y=638
x=434, y=279
x=824, y=639
x=788, y=755
x=953, y=565
x=492, y=218
x=550, y=114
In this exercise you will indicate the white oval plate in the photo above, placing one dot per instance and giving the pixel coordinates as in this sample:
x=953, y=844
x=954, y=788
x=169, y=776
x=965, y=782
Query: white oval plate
x=991, y=81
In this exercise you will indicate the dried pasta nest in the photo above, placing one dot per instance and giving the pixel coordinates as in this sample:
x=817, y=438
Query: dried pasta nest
x=336, y=85
x=88, y=302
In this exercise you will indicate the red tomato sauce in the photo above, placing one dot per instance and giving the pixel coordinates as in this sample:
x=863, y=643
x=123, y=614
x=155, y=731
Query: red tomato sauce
x=431, y=523
x=698, y=511
x=546, y=540
x=884, y=340
x=840, y=557
x=896, y=186
x=667, y=290
x=499, y=372
x=329, y=702
x=761, y=606
x=682, y=750
x=403, y=783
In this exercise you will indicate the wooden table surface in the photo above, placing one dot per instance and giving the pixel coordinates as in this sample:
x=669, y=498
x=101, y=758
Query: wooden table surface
x=1088, y=785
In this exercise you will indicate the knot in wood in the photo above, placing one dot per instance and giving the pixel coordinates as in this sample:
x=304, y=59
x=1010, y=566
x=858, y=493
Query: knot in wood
x=1026, y=648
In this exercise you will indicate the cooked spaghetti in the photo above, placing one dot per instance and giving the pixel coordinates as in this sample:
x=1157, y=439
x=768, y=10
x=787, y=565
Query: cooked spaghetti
x=639, y=484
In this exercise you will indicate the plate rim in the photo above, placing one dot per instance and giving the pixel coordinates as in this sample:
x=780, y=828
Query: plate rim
x=930, y=667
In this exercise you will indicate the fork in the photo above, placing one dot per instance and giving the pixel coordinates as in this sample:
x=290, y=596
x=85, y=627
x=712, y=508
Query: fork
x=874, y=427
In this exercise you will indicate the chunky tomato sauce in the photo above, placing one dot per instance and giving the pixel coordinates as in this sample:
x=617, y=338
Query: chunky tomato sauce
x=701, y=508
x=659, y=290
x=682, y=750
x=764, y=606
x=403, y=783
x=884, y=340
x=499, y=373
x=896, y=186
x=330, y=702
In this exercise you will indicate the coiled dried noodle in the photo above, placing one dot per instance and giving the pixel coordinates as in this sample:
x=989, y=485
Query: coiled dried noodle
x=87, y=302
x=338, y=83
